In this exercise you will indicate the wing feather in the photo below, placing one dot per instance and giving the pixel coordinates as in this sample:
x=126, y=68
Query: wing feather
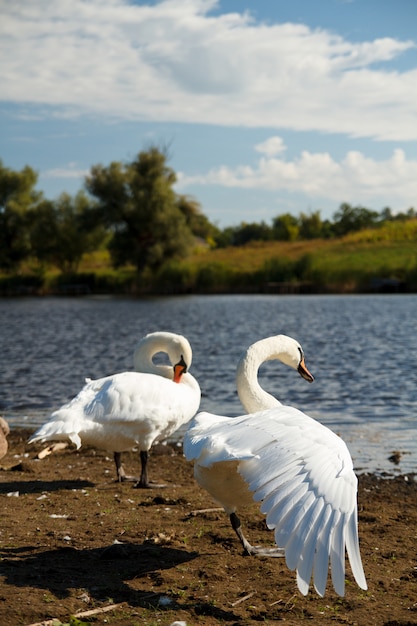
x=302, y=475
x=306, y=556
x=321, y=559
x=352, y=546
x=337, y=555
x=293, y=530
x=279, y=505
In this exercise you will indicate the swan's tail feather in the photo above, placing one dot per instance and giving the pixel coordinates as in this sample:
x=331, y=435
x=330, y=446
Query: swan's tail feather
x=61, y=427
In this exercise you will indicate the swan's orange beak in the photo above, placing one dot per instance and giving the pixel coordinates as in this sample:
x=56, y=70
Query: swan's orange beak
x=303, y=371
x=179, y=369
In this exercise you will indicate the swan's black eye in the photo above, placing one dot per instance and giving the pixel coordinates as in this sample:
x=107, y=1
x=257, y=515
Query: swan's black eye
x=301, y=353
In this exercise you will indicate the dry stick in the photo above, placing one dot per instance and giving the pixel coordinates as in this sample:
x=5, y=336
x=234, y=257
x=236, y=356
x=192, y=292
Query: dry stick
x=200, y=511
x=103, y=609
x=249, y=595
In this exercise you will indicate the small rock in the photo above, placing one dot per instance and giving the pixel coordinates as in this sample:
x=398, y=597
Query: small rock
x=395, y=457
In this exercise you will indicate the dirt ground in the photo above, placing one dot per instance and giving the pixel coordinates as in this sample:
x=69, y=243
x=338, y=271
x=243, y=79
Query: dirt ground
x=73, y=542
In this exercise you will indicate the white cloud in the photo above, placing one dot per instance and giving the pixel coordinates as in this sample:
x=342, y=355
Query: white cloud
x=391, y=182
x=71, y=171
x=176, y=61
x=272, y=146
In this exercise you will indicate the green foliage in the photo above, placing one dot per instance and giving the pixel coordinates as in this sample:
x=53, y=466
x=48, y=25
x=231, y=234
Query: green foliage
x=196, y=221
x=278, y=269
x=17, y=196
x=214, y=277
x=285, y=227
x=224, y=238
x=176, y=277
x=20, y=285
x=58, y=233
x=251, y=232
x=302, y=267
x=393, y=230
x=349, y=219
x=311, y=226
x=73, y=621
x=82, y=283
x=353, y=267
x=136, y=201
x=151, y=234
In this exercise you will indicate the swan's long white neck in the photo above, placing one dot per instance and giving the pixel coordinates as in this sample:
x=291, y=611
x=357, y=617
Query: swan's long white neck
x=251, y=394
x=173, y=345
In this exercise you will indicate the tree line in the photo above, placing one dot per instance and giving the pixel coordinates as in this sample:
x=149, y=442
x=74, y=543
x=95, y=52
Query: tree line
x=133, y=210
x=286, y=227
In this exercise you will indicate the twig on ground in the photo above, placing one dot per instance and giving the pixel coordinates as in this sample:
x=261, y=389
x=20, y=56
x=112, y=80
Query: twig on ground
x=200, y=511
x=102, y=609
x=249, y=595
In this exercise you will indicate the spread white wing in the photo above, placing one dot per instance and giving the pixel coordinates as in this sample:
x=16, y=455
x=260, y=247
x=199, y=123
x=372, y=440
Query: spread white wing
x=302, y=474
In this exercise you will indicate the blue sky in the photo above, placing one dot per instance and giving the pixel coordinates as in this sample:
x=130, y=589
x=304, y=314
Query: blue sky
x=265, y=106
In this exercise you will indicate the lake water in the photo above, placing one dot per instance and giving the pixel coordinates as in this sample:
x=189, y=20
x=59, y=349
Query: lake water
x=362, y=351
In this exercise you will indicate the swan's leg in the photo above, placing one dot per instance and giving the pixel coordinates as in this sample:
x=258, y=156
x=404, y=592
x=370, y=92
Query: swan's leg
x=144, y=482
x=249, y=549
x=235, y=521
x=121, y=474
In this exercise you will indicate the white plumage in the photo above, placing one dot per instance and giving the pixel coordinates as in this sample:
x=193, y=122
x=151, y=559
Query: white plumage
x=129, y=409
x=299, y=471
x=4, y=431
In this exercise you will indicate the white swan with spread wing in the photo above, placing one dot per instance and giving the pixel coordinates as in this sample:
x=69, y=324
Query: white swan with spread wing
x=299, y=471
x=131, y=409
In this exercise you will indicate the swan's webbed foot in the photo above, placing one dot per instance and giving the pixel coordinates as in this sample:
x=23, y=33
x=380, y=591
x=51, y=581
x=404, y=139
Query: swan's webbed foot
x=127, y=479
x=269, y=552
x=249, y=549
x=148, y=485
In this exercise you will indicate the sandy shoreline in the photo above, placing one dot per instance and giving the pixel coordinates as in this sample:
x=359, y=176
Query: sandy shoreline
x=62, y=515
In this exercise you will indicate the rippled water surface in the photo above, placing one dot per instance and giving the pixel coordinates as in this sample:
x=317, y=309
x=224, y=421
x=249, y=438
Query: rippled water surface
x=362, y=351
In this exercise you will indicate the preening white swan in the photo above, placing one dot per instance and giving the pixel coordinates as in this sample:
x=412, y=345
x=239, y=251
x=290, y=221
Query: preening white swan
x=299, y=470
x=129, y=409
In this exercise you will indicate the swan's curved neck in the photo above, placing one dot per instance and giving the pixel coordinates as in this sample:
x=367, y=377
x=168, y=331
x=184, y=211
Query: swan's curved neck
x=143, y=359
x=251, y=394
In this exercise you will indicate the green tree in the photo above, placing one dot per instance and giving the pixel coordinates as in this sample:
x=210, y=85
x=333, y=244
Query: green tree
x=285, y=227
x=17, y=197
x=58, y=232
x=198, y=223
x=225, y=237
x=311, y=226
x=251, y=232
x=386, y=215
x=350, y=219
x=137, y=203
